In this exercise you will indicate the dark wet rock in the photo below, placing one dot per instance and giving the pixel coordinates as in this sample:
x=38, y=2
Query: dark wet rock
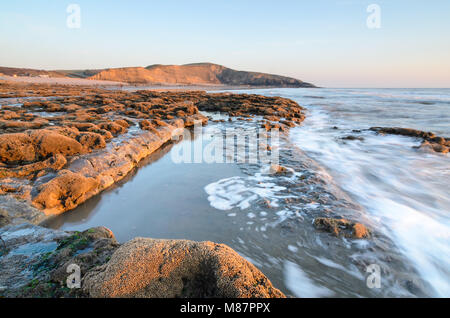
x=403, y=131
x=436, y=147
x=36, y=261
x=351, y=137
x=5, y=219
x=429, y=140
x=177, y=268
x=342, y=227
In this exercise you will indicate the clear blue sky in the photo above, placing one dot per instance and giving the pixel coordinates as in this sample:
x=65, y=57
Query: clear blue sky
x=324, y=42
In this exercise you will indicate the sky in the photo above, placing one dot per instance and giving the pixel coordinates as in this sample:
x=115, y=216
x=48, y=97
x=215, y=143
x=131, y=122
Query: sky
x=324, y=42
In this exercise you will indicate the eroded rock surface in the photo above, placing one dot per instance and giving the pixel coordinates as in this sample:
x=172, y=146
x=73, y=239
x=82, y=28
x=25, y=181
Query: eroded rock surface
x=34, y=262
x=177, y=268
x=34, y=259
x=59, y=151
x=342, y=227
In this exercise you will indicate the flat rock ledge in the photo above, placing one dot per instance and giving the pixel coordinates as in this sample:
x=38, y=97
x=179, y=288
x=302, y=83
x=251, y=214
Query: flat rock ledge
x=88, y=175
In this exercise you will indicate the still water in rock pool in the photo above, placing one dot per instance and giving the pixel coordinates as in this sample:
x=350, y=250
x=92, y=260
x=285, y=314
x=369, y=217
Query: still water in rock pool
x=401, y=193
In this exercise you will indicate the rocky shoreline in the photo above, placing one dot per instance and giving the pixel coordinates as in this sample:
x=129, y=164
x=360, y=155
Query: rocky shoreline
x=61, y=145
x=429, y=140
x=58, y=152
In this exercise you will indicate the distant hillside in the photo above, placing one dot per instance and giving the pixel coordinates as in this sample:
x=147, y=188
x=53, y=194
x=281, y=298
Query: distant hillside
x=196, y=74
x=79, y=73
x=188, y=74
x=11, y=71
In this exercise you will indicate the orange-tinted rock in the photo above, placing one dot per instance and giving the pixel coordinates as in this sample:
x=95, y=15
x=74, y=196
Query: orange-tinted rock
x=360, y=231
x=82, y=126
x=147, y=125
x=64, y=192
x=49, y=142
x=343, y=227
x=72, y=108
x=279, y=170
x=112, y=127
x=54, y=163
x=122, y=123
x=106, y=134
x=177, y=268
x=16, y=148
x=91, y=140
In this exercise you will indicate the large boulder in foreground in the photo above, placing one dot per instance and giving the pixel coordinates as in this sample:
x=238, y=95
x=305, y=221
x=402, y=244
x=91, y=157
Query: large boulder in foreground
x=146, y=267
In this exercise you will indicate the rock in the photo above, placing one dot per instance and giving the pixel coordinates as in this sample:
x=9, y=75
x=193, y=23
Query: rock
x=198, y=119
x=288, y=123
x=87, y=119
x=55, y=162
x=19, y=210
x=64, y=192
x=122, y=123
x=279, y=170
x=91, y=140
x=429, y=140
x=440, y=148
x=272, y=118
x=403, y=131
x=48, y=143
x=17, y=147
x=342, y=227
x=48, y=254
x=5, y=219
x=147, y=125
x=38, y=144
x=351, y=137
x=104, y=133
x=177, y=268
x=113, y=128
x=360, y=231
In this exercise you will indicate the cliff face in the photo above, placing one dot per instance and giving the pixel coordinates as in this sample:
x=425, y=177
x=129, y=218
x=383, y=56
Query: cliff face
x=135, y=75
x=232, y=77
x=196, y=74
x=188, y=74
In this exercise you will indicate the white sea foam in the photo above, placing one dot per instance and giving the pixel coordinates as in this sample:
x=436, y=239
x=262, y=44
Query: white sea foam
x=300, y=284
x=404, y=191
x=242, y=192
